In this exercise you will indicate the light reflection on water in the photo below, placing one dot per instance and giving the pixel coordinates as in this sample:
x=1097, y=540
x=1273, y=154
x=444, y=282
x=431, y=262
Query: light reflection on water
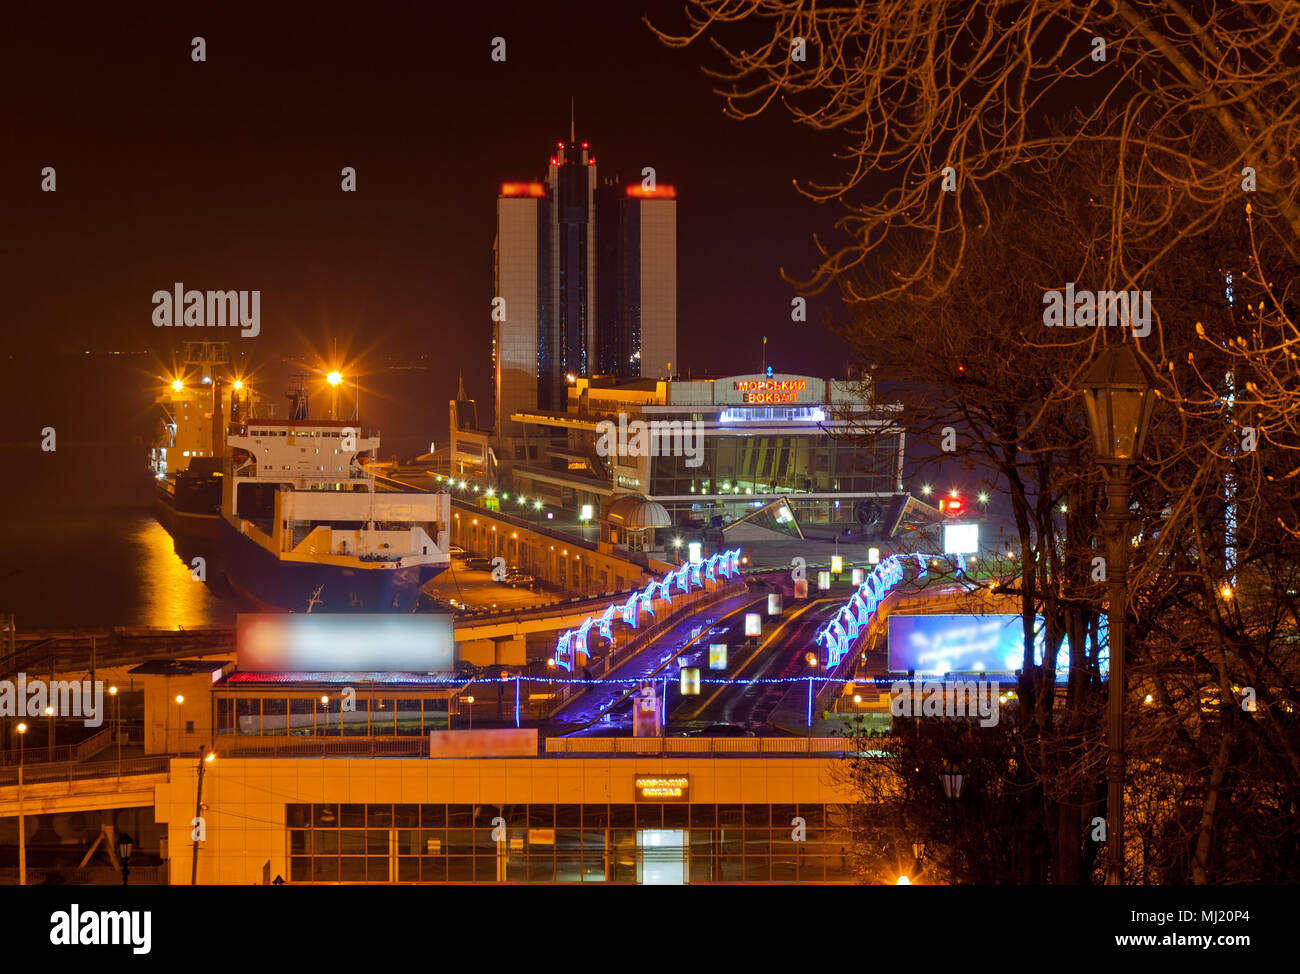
x=169, y=595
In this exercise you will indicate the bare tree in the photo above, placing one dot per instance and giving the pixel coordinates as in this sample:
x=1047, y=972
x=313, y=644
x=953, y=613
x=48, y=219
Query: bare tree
x=937, y=101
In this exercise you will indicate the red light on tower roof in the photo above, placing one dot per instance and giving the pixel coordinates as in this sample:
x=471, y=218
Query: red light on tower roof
x=660, y=192
x=534, y=190
x=584, y=145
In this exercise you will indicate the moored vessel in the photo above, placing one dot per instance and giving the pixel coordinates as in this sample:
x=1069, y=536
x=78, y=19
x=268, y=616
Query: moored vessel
x=305, y=527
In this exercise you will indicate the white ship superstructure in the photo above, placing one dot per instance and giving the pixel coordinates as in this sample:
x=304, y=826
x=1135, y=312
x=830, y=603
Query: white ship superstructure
x=306, y=525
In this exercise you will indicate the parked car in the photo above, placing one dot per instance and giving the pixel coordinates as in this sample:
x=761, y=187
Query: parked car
x=723, y=730
x=518, y=579
x=479, y=564
x=456, y=551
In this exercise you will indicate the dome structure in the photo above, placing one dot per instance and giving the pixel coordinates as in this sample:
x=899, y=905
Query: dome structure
x=632, y=512
x=631, y=520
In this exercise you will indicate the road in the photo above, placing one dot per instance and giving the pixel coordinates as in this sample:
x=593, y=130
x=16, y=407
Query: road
x=780, y=653
x=609, y=709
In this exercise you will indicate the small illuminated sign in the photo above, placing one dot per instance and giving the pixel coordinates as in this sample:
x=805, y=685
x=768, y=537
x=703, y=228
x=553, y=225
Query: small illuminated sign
x=717, y=656
x=961, y=539
x=662, y=788
x=801, y=589
x=694, y=549
x=837, y=564
x=690, y=682
x=859, y=576
x=586, y=513
x=873, y=556
x=753, y=624
x=774, y=603
x=823, y=581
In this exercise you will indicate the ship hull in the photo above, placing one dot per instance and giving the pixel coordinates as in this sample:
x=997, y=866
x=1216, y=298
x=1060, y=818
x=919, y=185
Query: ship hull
x=275, y=584
x=199, y=520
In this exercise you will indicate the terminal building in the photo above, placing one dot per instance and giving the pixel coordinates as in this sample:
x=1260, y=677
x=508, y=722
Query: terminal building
x=714, y=451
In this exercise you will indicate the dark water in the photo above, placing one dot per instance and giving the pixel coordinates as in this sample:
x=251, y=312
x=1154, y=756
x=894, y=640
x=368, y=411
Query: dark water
x=79, y=545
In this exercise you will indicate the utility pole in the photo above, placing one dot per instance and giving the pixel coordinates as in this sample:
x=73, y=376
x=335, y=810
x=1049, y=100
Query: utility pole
x=198, y=814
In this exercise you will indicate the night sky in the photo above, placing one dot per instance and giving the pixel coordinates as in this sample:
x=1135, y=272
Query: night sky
x=226, y=175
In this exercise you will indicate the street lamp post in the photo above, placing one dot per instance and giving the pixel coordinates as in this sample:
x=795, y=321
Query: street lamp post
x=22, y=820
x=954, y=778
x=117, y=705
x=1119, y=400
x=124, y=846
x=179, y=700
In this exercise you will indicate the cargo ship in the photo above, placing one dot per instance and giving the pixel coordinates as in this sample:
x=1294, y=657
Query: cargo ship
x=187, y=454
x=305, y=527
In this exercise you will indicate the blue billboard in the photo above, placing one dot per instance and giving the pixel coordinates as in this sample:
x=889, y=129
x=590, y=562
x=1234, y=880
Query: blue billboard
x=939, y=644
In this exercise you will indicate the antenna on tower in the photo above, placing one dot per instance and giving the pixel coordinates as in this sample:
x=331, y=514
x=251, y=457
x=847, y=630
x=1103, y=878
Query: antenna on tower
x=572, y=137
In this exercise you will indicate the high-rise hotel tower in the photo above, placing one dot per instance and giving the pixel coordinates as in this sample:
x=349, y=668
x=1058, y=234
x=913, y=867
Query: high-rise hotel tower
x=588, y=274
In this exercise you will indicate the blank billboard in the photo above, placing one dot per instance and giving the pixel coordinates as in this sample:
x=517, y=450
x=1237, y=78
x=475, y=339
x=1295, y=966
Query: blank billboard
x=362, y=642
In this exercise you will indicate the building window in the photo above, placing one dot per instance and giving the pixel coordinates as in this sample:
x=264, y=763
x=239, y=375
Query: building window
x=437, y=843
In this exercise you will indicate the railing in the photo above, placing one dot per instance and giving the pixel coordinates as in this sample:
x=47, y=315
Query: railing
x=46, y=773
x=321, y=747
x=85, y=876
x=186, y=745
x=700, y=745
x=35, y=754
x=618, y=653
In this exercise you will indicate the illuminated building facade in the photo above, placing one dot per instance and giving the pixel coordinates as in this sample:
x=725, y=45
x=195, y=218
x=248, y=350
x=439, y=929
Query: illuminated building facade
x=553, y=819
x=730, y=447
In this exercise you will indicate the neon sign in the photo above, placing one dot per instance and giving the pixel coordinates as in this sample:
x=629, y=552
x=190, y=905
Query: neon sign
x=662, y=787
x=770, y=385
